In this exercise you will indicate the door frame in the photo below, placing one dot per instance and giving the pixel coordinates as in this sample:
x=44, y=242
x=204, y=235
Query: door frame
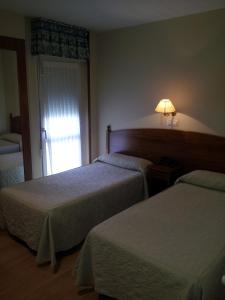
x=18, y=45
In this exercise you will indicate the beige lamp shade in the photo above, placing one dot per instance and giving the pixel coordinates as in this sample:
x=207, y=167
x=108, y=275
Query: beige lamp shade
x=165, y=106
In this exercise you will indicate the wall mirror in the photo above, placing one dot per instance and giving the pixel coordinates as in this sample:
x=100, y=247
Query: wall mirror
x=15, y=150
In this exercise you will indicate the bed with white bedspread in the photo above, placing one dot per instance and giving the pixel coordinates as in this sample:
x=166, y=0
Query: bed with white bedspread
x=11, y=169
x=55, y=213
x=10, y=143
x=171, y=246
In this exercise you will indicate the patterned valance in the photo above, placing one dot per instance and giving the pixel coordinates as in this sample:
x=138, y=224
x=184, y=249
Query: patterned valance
x=58, y=39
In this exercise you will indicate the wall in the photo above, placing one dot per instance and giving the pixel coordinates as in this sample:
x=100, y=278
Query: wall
x=93, y=97
x=33, y=97
x=182, y=59
x=11, y=88
x=3, y=119
x=12, y=25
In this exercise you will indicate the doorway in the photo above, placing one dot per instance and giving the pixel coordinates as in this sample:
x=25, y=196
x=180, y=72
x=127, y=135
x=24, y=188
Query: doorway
x=63, y=114
x=15, y=164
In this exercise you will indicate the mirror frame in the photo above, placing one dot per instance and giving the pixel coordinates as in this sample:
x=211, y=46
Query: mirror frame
x=18, y=45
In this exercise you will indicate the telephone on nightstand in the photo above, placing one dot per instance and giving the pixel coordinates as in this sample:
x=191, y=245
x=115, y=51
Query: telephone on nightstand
x=167, y=161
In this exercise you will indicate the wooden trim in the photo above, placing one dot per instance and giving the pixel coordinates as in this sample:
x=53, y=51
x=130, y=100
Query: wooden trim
x=18, y=45
x=192, y=150
x=15, y=124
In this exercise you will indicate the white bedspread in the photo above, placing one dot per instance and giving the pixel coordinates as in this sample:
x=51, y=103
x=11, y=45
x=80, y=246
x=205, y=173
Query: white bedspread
x=55, y=213
x=169, y=247
x=11, y=169
x=8, y=147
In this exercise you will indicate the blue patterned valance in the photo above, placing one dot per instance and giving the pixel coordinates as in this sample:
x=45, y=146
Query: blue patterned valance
x=58, y=39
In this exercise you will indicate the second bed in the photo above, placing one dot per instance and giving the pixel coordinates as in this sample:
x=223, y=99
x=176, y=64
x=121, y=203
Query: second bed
x=171, y=246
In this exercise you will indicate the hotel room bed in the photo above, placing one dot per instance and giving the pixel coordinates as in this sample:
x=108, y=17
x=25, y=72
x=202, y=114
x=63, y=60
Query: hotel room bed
x=171, y=246
x=11, y=169
x=11, y=142
x=55, y=213
x=8, y=147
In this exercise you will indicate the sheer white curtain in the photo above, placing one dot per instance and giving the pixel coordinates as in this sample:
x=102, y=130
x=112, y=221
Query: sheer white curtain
x=60, y=98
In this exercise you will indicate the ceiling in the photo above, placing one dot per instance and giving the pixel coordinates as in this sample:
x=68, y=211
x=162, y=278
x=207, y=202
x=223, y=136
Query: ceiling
x=102, y=15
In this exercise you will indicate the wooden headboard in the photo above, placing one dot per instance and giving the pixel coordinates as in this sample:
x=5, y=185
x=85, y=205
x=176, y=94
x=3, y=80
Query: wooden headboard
x=15, y=124
x=192, y=150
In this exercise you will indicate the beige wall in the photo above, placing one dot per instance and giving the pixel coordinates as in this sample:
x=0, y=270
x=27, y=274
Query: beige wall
x=9, y=90
x=12, y=25
x=3, y=118
x=33, y=96
x=94, y=104
x=182, y=59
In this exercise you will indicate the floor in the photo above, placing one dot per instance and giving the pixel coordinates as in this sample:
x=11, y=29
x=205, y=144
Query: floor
x=22, y=279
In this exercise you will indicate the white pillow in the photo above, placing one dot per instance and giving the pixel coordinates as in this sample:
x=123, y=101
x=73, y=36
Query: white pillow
x=128, y=162
x=125, y=161
x=208, y=179
x=14, y=138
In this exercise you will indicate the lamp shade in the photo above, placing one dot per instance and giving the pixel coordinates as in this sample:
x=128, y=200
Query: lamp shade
x=165, y=106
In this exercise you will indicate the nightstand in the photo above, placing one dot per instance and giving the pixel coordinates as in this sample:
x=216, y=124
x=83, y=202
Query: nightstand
x=162, y=176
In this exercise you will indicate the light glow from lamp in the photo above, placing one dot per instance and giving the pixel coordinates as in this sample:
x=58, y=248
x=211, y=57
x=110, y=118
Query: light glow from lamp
x=166, y=107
